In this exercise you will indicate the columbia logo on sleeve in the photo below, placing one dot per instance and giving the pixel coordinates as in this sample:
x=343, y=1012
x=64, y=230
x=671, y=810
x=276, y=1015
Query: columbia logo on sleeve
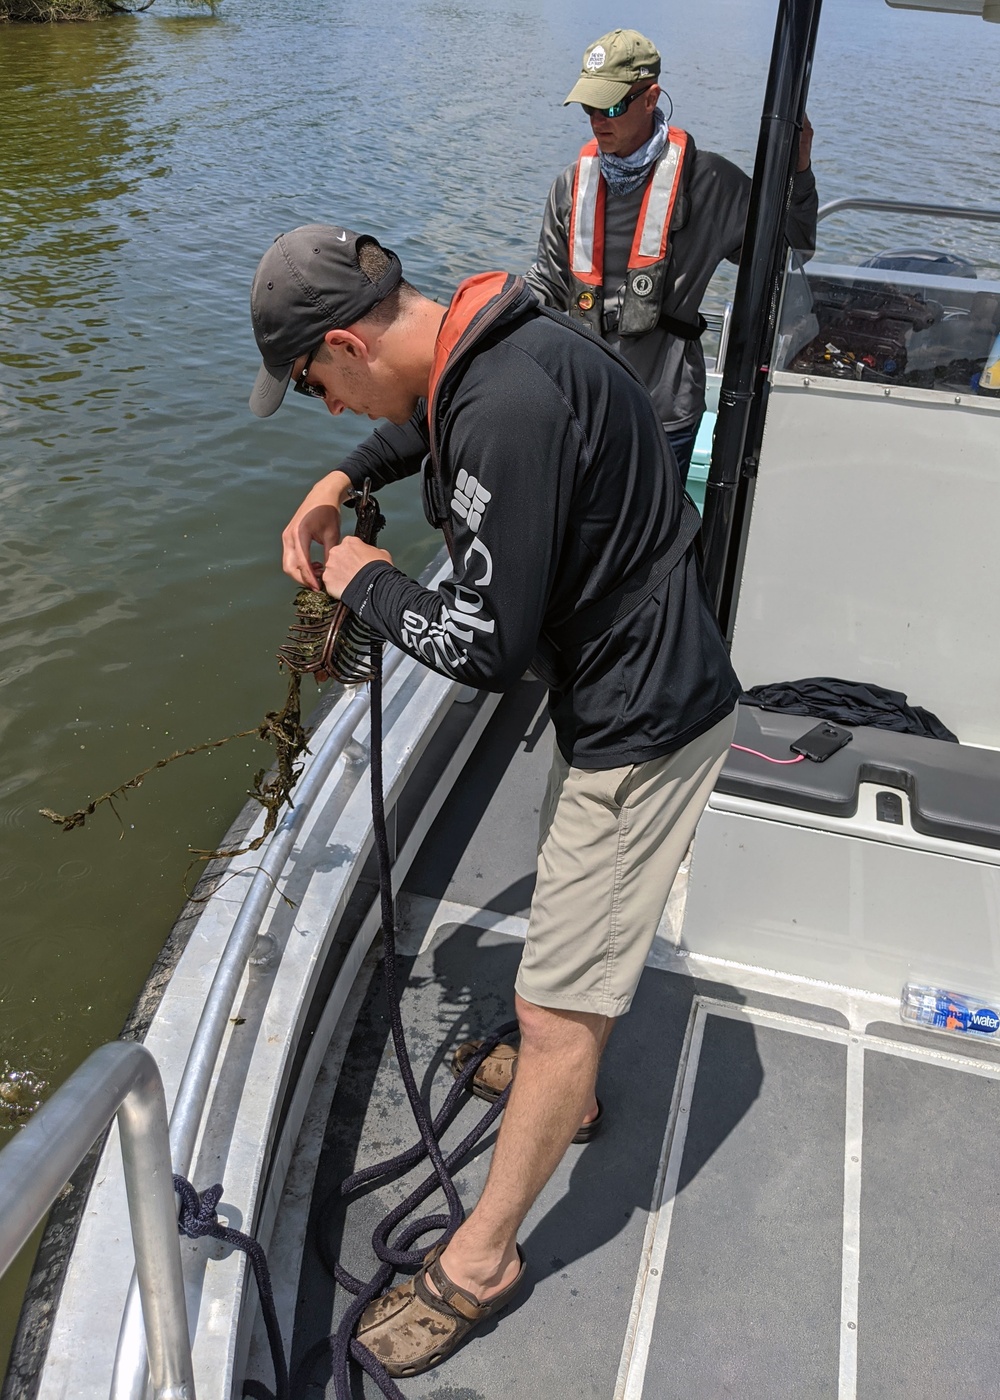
x=470, y=500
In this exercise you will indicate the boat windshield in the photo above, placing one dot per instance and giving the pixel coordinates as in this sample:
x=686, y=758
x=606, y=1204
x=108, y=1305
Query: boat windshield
x=916, y=317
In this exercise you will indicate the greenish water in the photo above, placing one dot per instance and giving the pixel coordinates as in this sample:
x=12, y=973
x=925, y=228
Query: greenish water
x=145, y=165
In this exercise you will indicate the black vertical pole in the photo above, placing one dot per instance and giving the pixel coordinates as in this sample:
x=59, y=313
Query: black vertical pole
x=741, y=398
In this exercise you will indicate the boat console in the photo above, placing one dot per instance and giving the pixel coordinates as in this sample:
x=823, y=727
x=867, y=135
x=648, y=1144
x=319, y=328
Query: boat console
x=892, y=325
x=869, y=555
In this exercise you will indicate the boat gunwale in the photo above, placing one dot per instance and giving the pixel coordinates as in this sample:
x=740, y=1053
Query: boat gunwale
x=40, y=1314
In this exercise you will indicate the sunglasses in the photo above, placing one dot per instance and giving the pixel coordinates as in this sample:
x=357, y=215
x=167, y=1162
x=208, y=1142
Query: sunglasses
x=301, y=384
x=618, y=110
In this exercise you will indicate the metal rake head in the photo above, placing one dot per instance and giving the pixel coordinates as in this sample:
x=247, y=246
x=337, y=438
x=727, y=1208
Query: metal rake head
x=326, y=639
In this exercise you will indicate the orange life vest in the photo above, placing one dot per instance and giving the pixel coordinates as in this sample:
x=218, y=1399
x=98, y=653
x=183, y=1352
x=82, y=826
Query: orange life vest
x=472, y=297
x=477, y=303
x=642, y=298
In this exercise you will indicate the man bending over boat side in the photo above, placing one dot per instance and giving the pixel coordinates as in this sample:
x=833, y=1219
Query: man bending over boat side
x=570, y=556
x=635, y=228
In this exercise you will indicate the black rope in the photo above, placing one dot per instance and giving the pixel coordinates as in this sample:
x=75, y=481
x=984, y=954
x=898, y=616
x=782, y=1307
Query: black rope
x=343, y=1344
x=198, y=1213
x=197, y=1218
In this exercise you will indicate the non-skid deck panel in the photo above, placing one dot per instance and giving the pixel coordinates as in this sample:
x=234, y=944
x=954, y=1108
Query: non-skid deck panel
x=930, y=1232
x=968, y=1046
x=584, y=1237
x=749, y=1301
x=482, y=848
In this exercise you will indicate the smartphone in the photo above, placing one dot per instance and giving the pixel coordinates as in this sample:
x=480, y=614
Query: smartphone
x=819, y=743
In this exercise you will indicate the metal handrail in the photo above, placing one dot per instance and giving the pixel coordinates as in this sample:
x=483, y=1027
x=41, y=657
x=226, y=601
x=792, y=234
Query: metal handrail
x=119, y=1078
x=907, y=206
x=129, y=1377
x=718, y=323
x=720, y=354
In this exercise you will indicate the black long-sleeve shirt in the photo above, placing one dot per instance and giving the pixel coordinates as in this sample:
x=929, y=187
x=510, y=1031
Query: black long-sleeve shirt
x=559, y=481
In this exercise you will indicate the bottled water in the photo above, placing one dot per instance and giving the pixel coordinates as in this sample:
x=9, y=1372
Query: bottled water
x=949, y=1011
x=989, y=380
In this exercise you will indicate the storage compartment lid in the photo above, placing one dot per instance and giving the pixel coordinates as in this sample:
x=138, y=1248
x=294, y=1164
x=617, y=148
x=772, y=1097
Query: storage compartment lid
x=954, y=789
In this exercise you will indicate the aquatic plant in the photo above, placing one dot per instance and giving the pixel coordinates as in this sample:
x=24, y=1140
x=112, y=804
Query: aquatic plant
x=282, y=728
x=327, y=641
x=21, y=1092
x=53, y=11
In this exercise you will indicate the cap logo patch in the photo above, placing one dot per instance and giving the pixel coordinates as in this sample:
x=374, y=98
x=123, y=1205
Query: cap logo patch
x=645, y=73
x=595, y=59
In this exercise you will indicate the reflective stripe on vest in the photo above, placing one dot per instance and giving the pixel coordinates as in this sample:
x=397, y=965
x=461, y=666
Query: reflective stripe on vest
x=586, y=224
x=652, y=230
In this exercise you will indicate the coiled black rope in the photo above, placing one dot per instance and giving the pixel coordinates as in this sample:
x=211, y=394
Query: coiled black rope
x=198, y=1213
x=343, y=1345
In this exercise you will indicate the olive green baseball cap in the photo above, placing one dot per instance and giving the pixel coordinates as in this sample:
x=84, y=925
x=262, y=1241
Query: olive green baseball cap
x=612, y=65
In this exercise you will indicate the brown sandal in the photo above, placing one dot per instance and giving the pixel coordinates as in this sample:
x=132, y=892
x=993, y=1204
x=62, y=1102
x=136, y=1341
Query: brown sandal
x=410, y=1329
x=497, y=1071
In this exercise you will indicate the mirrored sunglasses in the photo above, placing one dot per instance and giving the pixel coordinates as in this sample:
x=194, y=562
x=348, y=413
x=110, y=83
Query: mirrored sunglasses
x=618, y=110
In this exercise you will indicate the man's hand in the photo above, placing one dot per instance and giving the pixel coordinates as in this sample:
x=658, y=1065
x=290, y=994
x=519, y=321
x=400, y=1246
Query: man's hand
x=317, y=519
x=347, y=559
x=805, y=144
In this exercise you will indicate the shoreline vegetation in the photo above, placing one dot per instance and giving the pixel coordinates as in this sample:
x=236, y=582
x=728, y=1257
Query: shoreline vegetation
x=55, y=11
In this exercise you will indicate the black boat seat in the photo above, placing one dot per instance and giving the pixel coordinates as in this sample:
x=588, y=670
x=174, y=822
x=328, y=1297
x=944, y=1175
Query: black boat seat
x=954, y=789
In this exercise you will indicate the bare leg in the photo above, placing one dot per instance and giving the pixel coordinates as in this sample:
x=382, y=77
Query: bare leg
x=591, y=1113
x=552, y=1093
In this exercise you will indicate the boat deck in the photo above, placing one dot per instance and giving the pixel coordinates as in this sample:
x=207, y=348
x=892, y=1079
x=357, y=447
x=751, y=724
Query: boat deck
x=793, y=1196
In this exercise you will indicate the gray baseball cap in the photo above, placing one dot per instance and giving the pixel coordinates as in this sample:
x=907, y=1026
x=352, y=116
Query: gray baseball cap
x=307, y=283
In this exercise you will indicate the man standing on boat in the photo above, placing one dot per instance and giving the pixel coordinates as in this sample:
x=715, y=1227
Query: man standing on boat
x=635, y=228
x=570, y=555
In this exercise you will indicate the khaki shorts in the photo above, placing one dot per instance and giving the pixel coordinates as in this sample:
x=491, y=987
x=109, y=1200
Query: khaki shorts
x=610, y=845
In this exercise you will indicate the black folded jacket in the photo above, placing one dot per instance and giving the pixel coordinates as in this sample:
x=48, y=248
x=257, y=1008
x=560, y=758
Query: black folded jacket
x=849, y=702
